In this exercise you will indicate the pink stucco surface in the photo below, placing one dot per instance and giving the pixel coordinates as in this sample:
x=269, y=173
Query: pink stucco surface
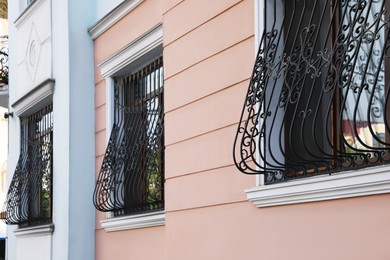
x=208, y=57
x=142, y=244
x=350, y=229
x=139, y=243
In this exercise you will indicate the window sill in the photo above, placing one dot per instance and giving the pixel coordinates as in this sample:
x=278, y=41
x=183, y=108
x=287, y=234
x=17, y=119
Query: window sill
x=341, y=185
x=151, y=219
x=35, y=231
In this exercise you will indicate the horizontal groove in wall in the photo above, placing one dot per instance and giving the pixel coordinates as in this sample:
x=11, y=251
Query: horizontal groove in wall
x=201, y=24
x=199, y=172
x=172, y=7
x=208, y=95
x=208, y=206
x=208, y=57
x=201, y=135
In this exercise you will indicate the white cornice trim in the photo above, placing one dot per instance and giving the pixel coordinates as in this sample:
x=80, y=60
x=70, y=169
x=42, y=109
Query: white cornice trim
x=113, y=17
x=35, y=99
x=342, y=185
x=151, y=219
x=132, y=51
x=28, y=12
x=35, y=231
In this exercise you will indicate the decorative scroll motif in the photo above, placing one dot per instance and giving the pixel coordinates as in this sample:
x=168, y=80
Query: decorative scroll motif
x=29, y=198
x=132, y=174
x=318, y=99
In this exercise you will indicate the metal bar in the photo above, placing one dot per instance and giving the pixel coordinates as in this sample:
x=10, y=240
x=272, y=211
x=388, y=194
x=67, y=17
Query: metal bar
x=134, y=155
x=29, y=199
x=317, y=98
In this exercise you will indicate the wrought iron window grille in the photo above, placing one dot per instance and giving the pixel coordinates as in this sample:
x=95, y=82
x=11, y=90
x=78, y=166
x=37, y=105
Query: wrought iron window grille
x=132, y=173
x=3, y=66
x=318, y=98
x=29, y=198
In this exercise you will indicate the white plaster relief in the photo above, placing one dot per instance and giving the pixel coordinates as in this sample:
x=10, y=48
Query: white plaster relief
x=33, y=52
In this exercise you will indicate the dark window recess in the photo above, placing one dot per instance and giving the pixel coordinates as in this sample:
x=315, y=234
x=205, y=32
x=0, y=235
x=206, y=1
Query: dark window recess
x=132, y=174
x=29, y=198
x=318, y=98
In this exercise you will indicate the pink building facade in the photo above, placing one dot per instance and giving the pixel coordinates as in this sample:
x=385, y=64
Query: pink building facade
x=211, y=210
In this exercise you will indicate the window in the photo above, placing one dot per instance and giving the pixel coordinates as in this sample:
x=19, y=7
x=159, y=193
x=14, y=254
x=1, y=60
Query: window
x=132, y=174
x=317, y=102
x=29, y=199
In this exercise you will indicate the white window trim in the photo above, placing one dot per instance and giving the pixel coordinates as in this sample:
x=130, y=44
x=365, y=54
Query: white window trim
x=43, y=230
x=150, y=219
x=134, y=50
x=113, y=17
x=130, y=53
x=35, y=99
x=369, y=181
x=348, y=184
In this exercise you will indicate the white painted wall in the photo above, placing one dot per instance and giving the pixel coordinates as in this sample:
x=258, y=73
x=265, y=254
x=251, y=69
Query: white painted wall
x=32, y=49
x=13, y=123
x=3, y=163
x=31, y=248
x=74, y=167
x=59, y=29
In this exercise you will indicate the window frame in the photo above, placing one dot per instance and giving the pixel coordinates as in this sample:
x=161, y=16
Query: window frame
x=133, y=110
x=31, y=199
x=149, y=43
x=346, y=184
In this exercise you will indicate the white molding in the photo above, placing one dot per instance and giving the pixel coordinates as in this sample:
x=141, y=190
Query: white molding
x=259, y=22
x=113, y=17
x=132, y=51
x=35, y=99
x=121, y=59
x=364, y=182
x=356, y=183
x=151, y=219
x=35, y=231
x=27, y=13
x=109, y=106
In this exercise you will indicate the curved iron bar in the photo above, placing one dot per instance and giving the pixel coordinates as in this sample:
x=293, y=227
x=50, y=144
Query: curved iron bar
x=132, y=173
x=4, y=65
x=29, y=198
x=317, y=101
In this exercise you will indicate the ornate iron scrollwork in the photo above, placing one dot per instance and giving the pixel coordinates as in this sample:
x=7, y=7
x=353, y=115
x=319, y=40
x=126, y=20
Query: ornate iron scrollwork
x=132, y=173
x=3, y=66
x=29, y=198
x=318, y=98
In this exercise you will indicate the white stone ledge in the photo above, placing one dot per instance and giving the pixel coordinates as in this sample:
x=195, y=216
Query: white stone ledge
x=370, y=181
x=145, y=220
x=35, y=231
x=35, y=99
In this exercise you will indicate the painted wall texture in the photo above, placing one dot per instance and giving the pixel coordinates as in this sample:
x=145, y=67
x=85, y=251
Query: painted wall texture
x=3, y=163
x=209, y=49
